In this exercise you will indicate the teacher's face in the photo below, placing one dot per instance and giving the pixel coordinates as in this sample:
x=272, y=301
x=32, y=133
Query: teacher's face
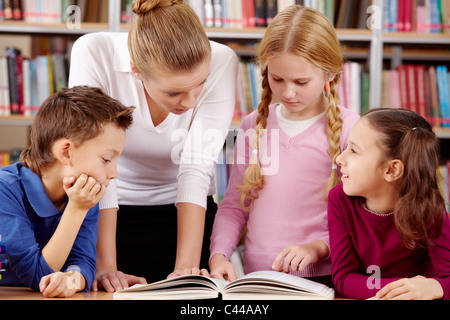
x=177, y=92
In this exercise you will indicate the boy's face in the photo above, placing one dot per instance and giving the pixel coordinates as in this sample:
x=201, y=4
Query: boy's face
x=97, y=157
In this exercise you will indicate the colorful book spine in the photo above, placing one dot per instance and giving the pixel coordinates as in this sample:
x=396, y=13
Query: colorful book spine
x=26, y=83
x=444, y=99
x=2, y=11
x=11, y=56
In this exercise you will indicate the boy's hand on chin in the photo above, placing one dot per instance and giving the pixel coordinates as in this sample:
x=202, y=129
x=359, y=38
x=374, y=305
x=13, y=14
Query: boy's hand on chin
x=84, y=192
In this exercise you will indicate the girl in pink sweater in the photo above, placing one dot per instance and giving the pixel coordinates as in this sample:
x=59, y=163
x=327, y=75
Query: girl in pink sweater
x=389, y=232
x=284, y=160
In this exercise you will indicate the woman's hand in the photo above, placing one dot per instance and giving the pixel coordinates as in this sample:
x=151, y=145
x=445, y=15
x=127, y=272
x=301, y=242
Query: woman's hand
x=187, y=271
x=112, y=281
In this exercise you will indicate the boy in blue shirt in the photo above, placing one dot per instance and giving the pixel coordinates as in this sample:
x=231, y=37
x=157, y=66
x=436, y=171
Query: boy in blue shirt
x=49, y=200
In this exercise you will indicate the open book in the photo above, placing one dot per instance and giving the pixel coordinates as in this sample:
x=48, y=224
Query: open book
x=262, y=285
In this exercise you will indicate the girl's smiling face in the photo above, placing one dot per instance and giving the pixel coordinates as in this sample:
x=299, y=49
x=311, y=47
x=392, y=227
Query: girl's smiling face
x=362, y=162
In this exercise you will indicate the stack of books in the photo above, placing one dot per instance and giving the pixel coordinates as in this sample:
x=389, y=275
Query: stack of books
x=9, y=157
x=26, y=83
x=421, y=16
x=53, y=11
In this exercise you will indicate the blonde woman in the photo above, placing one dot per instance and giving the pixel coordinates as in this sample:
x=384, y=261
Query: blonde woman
x=285, y=154
x=183, y=88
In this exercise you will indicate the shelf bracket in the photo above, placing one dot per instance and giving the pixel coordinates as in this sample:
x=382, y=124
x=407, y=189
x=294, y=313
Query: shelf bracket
x=376, y=58
x=114, y=7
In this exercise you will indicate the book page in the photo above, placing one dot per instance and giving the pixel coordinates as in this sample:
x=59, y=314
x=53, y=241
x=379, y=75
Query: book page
x=277, y=283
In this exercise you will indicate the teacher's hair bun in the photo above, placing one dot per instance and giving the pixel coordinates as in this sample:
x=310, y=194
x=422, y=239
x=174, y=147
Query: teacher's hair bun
x=141, y=7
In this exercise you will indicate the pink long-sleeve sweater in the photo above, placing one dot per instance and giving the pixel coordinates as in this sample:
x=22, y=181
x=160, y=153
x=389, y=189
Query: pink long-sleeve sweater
x=290, y=208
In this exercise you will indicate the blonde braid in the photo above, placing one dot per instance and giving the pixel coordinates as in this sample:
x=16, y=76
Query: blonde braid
x=253, y=180
x=334, y=129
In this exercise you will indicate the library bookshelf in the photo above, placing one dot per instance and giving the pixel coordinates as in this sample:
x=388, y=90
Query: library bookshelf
x=373, y=47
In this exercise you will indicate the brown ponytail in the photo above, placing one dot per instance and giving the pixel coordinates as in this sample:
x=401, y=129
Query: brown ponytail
x=410, y=138
x=142, y=7
x=166, y=36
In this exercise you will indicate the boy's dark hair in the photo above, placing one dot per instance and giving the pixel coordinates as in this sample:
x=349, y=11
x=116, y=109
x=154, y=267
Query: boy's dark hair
x=77, y=113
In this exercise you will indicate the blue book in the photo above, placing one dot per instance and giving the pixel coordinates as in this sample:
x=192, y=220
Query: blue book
x=34, y=91
x=254, y=85
x=2, y=6
x=221, y=175
x=392, y=15
x=444, y=98
x=435, y=17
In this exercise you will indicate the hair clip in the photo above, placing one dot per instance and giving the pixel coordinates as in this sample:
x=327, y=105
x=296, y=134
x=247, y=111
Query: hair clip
x=334, y=167
x=255, y=151
x=414, y=129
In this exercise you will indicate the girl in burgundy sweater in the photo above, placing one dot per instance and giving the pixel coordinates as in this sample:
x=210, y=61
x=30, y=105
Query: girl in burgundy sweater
x=389, y=231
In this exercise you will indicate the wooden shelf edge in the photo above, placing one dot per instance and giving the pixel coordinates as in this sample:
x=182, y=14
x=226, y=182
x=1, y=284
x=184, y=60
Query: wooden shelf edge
x=16, y=120
x=50, y=28
x=442, y=133
x=232, y=33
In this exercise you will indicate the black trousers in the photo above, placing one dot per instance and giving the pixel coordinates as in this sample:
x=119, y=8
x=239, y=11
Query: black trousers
x=147, y=239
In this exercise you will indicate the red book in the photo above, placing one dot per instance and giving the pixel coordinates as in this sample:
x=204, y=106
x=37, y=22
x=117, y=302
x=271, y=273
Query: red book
x=403, y=86
x=408, y=15
x=421, y=91
x=401, y=16
x=411, y=87
x=19, y=81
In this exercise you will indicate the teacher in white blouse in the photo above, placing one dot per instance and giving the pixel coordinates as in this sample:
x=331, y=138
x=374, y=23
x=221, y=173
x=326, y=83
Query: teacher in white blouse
x=183, y=88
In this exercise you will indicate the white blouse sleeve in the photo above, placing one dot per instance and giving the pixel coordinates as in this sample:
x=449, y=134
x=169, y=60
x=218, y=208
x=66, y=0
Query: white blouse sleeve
x=211, y=121
x=90, y=54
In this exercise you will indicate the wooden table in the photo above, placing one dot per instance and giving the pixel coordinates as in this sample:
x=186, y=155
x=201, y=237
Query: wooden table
x=22, y=293
x=27, y=301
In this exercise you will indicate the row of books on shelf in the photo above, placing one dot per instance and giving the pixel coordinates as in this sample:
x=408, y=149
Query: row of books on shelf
x=53, y=11
x=423, y=89
x=255, y=13
x=422, y=16
x=9, y=157
x=26, y=83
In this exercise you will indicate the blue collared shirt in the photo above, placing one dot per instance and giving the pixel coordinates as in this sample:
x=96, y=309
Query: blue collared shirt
x=28, y=219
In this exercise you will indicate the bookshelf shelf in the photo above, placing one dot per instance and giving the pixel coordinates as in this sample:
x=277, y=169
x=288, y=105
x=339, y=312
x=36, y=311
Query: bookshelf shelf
x=258, y=33
x=416, y=38
x=442, y=133
x=374, y=46
x=225, y=33
x=55, y=29
x=16, y=120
